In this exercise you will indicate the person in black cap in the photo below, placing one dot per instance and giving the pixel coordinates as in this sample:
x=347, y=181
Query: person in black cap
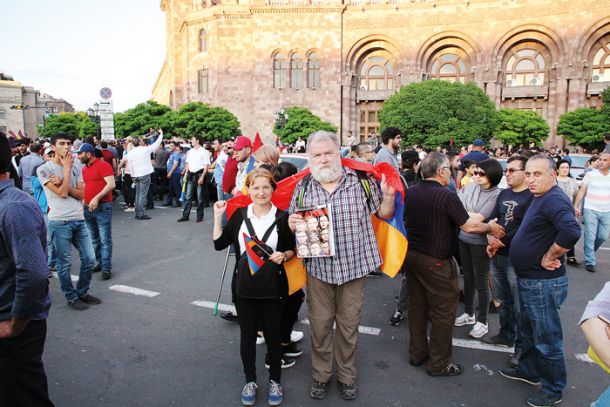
x=477, y=155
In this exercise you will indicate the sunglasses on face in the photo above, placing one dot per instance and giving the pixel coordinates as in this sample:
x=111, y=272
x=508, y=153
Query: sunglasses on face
x=479, y=173
x=512, y=170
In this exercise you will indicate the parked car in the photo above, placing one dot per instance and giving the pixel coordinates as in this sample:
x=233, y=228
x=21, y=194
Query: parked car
x=577, y=168
x=300, y=160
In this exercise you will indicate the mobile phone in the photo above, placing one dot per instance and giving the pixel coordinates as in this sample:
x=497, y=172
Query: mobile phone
x=606, y=320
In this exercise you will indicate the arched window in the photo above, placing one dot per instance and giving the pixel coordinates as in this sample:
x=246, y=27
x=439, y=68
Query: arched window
x=279, y=71
x=525, y=67
x=203, y=40
x=449, y=67
x=2, y=114
x=313, y=71
x=376, y=73
x=203, y=81
x=296, y=72
x=601, y=64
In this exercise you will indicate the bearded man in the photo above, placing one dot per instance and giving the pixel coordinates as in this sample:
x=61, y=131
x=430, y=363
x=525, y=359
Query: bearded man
x=335, y=285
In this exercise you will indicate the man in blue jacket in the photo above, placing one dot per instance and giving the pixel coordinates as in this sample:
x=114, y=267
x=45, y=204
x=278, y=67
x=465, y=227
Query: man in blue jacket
x=24, y=293
x=537, y=253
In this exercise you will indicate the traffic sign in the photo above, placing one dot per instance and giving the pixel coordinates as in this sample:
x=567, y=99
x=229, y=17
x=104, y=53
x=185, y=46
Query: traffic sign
x=105, y=93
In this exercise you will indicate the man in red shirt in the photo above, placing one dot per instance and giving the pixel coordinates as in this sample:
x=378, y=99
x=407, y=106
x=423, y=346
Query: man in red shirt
x=98, y=177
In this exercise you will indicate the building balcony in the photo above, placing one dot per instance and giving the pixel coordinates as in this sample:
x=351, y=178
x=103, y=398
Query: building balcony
x=596, y=88
x=366, y=95
x=519, y=92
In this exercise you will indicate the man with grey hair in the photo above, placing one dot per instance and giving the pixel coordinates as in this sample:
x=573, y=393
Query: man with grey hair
x=335, y=284
x=549, y=228
x=432, y=215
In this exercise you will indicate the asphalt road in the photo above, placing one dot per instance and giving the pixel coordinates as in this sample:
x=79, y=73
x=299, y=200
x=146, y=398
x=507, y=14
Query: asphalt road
x=159, y=349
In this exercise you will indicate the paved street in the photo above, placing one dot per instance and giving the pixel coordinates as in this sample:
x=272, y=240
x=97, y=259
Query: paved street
x=156, y=348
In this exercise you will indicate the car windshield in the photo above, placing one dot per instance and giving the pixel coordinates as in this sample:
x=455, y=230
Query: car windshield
x=579, y=161
x=299, y=162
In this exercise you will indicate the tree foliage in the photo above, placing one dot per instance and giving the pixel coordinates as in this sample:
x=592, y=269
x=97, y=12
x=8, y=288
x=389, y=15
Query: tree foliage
x=301, y=123
x=584, y=127
x=137, y=120
x=432, y=112
x=209, y=121
x=517, y=127
x=76, y=124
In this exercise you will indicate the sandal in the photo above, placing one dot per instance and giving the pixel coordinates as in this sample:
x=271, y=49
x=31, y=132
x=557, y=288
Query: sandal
x=452, y=369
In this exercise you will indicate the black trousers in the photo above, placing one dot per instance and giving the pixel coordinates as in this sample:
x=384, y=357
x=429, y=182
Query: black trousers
x=23, y=382
x=128, y=192
x=159, y=183
x=268, y=312
x=290, y=314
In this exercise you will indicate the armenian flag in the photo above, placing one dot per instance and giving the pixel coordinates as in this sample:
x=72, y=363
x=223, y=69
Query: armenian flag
x=390, y=233
x=254, y=260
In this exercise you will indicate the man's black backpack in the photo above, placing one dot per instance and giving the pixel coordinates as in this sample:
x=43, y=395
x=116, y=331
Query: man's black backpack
x=269, y=282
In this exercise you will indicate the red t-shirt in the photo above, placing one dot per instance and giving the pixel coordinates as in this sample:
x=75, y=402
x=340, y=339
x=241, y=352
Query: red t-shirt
x=108, y=156
x=93, y=177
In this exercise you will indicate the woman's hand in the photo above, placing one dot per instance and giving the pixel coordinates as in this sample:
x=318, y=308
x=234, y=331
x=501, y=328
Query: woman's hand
x=278, y=257
x=220, y=207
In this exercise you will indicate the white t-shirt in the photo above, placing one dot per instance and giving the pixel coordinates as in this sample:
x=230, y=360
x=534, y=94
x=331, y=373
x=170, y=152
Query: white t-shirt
x=598, y=191
x=197, y=158
x=260, y=226
x=139, y=158
x=61, y=208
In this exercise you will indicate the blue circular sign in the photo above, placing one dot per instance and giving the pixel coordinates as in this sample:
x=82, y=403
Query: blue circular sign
x=105, y=93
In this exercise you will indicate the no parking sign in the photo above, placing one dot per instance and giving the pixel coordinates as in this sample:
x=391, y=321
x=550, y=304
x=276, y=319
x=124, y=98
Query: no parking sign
x=105, y=93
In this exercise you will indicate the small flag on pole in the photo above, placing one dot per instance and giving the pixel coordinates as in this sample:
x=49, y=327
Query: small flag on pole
x=258, y=142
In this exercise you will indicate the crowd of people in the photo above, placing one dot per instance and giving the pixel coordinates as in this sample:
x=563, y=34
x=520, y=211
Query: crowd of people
x=509, y=244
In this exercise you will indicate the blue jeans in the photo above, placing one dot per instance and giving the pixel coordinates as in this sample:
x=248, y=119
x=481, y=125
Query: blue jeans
x=174, y=189
x=99, y=223
x=65, y=234
x=51, y=254
x=142, y=185
x=540, y=331
x=505, y=290
x=597, y=226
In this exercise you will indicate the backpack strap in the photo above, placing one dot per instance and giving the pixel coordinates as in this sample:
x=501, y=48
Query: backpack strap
x=244, y=212
x=365, y=182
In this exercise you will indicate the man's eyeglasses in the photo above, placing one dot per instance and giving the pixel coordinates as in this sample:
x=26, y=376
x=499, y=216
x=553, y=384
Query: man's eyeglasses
x=511, y=170
x=479, y=173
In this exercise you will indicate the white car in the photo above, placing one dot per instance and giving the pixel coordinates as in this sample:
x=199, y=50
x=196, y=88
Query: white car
x=299, y=160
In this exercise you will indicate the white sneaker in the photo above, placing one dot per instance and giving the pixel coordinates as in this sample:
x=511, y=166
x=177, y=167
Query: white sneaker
x=479, y=330
x=296, y=336
x=130, y=210
x=260, y=339
x=465, y=319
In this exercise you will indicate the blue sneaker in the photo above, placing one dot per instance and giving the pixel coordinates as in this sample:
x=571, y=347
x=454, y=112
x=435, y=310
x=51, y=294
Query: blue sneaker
x=276, y=393
x=248, y=394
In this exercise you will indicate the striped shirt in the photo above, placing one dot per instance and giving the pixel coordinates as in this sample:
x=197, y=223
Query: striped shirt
x=433, y=213
x=356, y=251
x=598, y=191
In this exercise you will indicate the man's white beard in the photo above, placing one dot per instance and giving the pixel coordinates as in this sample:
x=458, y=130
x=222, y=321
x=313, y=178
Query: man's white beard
x=329, y=173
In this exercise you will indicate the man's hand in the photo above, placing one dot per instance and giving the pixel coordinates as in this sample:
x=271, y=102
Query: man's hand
x=160, y=132
x=494, y=242
x=67, y=160
x=293, y=220
x=200, y=180
x=496, y=230
x=386, y=190
x=55, y=180
x=169, y=176
x=550, y=264
x=577, y=210
x=12, y=327
x=491, y=252
x=95, y=202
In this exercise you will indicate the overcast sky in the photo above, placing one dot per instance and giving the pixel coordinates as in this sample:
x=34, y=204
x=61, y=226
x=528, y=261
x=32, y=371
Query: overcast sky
x=72, y=48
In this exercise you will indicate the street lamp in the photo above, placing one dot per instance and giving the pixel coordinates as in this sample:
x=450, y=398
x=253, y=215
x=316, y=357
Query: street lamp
x=94, y=114
x=281, y=117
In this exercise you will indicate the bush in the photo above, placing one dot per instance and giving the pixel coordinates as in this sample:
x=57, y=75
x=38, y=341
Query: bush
x=301, y=123
x=433, y=112
x=584, y=127
x=517, y=127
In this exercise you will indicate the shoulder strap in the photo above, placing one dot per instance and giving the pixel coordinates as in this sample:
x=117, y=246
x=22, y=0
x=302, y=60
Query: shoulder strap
x=366, y=186
x=304, y=184
x=244, y=212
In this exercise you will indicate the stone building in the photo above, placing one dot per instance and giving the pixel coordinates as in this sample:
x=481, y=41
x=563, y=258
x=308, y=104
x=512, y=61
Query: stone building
x=22, y=108
x=343, y=58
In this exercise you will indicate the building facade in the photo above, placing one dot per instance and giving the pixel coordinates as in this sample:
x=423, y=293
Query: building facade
x=22, y=108
x=343, y=58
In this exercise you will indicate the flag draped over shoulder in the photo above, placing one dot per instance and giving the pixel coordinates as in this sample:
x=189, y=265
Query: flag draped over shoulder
x=390, y=233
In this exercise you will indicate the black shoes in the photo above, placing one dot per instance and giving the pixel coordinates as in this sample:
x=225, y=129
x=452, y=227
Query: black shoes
x=228, y=316
x=106, y=275
x=452, y=369
x=199, y=220
x=78, y=305
x=143, y=217
x=396, y=318
x=514, y=360
x=286, y=362
x=515, y=374
x=590, y=268
x=572, y=261
x=90, y=300
x=183, y=219
x=97, y=269
x=498, y=341
x=318, y=390
x=292, y=350
x=348, y=391
x=417, y=363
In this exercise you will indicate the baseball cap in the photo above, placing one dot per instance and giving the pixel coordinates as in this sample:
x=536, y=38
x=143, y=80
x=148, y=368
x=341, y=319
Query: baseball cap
x=478, y=142
x=48, y=150
x=241, y=142
x=86, y=148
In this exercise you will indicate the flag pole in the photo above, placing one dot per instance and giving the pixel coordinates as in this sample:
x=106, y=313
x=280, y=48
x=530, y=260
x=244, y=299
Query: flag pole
x=222, y=280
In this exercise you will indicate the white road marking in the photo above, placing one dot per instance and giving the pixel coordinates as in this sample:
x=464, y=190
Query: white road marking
x=72, y=277
x=210, y=305
x=133, y=290
x=474, y=344
x=362, y=329
x=604, y=248
x=583, y=357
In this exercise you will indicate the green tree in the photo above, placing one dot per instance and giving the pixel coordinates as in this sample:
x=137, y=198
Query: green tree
x=137, y=120
x=76, y=124
x=209, y=121
x=584, y=127
x=432, y=112
x=521, y=127
x=301, y=123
